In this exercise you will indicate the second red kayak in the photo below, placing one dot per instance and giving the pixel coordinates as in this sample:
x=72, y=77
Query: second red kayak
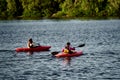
x=62, y=54
x=36, y=49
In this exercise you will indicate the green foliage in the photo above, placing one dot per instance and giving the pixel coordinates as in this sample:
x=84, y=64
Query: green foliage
x=2, y=5
x=11, y=11
x=39, y=8
x=30, y=9
x=3, y=8
x=58, y=8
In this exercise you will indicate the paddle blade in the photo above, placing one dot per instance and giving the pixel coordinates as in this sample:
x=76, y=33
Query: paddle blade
x=81, y=45
x=55, y=52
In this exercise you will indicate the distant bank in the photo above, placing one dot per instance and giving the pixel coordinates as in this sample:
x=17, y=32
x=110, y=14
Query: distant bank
x=59, y=9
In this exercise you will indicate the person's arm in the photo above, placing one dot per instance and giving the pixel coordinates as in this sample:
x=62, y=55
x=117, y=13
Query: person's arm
x=28, y=45
x=34, y=44
x=72, y=48
x=62, y=50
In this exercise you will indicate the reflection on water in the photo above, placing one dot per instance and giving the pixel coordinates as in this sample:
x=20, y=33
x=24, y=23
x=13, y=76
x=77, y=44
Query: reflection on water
x=101, y=51
x=67, y=60
x=30, y=53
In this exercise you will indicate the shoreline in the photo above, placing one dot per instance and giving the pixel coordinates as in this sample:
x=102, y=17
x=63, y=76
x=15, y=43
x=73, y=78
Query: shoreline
x=61, y=18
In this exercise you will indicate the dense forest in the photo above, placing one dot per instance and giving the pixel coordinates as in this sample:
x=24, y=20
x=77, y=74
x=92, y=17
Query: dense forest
x=37, y=9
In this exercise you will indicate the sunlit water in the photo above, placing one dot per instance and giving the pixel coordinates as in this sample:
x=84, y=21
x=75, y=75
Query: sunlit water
x=101, y=59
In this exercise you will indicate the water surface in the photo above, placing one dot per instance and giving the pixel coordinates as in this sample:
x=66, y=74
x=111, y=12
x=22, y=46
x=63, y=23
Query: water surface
x=101, y=59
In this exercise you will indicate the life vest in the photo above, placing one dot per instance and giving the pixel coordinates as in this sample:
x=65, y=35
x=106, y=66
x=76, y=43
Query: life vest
x=66, y=51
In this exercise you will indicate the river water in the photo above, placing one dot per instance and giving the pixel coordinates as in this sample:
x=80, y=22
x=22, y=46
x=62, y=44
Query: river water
x=101, y=59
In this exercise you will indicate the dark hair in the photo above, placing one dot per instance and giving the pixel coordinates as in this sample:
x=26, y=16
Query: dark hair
x=68, y=43
x=30, y=40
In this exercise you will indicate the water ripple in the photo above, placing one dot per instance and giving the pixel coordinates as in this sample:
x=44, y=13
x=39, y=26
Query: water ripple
x=101, y=59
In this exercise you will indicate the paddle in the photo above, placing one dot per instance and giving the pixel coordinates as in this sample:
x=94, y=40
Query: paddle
x=56, y=52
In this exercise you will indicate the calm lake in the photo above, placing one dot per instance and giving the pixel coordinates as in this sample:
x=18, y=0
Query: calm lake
x=101, y=59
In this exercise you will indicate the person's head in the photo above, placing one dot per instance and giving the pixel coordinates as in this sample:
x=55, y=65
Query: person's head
x=68, y=43
x=30, y=40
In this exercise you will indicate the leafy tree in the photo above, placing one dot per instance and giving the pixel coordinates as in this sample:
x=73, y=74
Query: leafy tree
x=11, y=8
x=59, y=8
x=3, y=8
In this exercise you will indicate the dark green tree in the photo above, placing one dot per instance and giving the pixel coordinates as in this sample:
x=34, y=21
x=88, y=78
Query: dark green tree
x=59, y=8
x=3, y=8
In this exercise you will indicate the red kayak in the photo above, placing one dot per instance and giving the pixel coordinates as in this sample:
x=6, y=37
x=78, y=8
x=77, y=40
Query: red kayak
x=62, y=54
x=35, y=49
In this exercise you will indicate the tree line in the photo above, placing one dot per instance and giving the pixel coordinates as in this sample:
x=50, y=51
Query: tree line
x=36, y=9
